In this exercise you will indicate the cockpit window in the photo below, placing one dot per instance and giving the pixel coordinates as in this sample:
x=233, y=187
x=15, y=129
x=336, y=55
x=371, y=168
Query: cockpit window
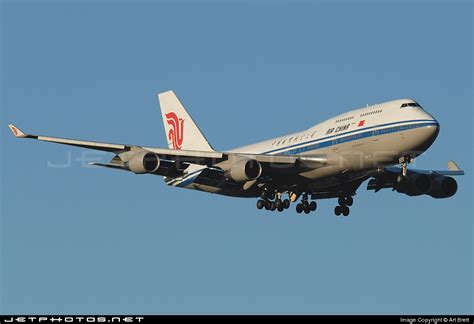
x=411, y=104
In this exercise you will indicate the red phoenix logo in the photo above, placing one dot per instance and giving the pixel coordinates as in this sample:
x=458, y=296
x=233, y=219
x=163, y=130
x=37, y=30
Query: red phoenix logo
x=14, y=131
x=175, y=135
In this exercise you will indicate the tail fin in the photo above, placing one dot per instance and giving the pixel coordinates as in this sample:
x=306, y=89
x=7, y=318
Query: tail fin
x=181, y=131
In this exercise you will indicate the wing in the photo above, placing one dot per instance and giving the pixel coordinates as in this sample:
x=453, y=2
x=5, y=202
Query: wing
x=453, y=170
x=90, y=145
x=196, y=157
x=180, y=157
x=435, y=183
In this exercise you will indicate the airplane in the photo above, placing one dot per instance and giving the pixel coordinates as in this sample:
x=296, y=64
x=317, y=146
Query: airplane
x=329, y=160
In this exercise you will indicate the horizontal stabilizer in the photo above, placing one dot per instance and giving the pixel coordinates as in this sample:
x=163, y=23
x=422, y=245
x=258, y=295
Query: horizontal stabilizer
x=452, y=166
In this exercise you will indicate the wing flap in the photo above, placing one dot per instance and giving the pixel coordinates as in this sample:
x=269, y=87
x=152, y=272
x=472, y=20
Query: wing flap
x=288, y=160
x=185, y=153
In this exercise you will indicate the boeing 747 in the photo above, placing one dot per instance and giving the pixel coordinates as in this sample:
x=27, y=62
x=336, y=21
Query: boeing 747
x=329, y=160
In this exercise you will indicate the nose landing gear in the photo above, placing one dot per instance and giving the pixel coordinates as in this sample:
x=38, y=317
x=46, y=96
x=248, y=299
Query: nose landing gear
x=402, y=178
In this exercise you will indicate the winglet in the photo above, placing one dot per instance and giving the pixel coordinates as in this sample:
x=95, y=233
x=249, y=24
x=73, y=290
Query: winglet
x=452, y=166
x=16, y=131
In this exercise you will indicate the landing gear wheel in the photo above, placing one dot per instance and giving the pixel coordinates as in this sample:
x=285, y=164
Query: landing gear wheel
x=349, y=201
x=299, y=208
x=280, y=208
x=313, y=206
x=268, y=205
x=278, y=203
x=271, y=195
x=345, y=211
x=341, y=201
x=286, y=203
x=338, y=210
x=260, y=203
x=307, y=209
x=272, y=206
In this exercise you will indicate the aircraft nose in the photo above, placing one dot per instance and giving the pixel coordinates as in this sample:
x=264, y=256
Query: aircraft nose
x=432, y=127
x=429, y=134
x=433, y=130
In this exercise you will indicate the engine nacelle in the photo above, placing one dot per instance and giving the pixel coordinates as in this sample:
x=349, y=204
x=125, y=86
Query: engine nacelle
x=416, y=184
x=245, y=170
x=144, y=162
x=443, y=187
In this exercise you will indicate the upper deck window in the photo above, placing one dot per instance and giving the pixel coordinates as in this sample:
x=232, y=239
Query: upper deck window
x=344, y=119
x=371, y=113
x=411, y=104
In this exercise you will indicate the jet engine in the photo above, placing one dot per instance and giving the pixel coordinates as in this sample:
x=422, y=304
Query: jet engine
x=144, y=162
x=245, y=170
x=443, y=187
x=415, y=185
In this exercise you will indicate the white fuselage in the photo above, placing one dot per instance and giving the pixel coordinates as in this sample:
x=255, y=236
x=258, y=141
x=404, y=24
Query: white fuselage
x=363, y=139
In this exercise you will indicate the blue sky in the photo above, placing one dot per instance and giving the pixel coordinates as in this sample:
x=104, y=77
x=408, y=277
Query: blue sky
x=89, y=240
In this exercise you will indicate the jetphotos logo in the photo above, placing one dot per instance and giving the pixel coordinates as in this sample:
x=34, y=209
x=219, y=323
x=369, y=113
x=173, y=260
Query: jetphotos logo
x=70, y=319
x=175, y=135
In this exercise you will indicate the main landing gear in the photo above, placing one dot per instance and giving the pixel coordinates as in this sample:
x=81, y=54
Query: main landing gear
x=305, y=206
x=343, y=207
x=271, y=201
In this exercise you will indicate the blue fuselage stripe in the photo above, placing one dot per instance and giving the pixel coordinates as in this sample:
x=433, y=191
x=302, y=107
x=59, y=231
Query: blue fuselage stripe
x=350, y=132
x=352, y=137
